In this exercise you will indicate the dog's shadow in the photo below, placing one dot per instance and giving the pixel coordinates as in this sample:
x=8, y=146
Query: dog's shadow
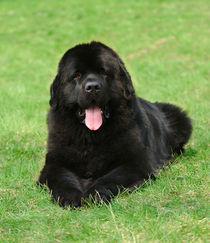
x=189, y=152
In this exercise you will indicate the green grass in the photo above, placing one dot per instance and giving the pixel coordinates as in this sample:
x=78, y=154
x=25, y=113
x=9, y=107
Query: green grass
x=165, y=45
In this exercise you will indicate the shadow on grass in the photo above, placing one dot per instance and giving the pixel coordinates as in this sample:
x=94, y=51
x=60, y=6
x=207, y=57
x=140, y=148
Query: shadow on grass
x=189, y=152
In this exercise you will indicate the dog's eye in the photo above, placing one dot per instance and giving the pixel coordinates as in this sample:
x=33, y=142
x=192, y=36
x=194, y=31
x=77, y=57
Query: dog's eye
x=104, y=73
x=76, y=75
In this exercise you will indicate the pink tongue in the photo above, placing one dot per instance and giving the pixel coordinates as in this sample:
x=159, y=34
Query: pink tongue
x=93, y=118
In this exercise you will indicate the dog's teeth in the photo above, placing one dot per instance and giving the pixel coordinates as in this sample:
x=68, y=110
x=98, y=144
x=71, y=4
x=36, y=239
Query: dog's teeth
x=81, y=113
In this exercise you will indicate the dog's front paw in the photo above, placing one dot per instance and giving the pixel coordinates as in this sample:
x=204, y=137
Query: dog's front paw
x=71, y=198
x=100, y=193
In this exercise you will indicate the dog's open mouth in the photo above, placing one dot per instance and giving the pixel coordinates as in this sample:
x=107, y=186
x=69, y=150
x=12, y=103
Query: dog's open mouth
x=93, y=116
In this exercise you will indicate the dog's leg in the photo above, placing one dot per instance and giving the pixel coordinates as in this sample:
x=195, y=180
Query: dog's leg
x=64, y=185
x=109, y=185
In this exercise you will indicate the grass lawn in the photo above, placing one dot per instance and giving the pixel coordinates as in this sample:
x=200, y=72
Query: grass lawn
x=165, y=46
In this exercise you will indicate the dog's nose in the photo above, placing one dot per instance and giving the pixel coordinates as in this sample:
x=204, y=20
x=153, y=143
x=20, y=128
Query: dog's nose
x=92, y=87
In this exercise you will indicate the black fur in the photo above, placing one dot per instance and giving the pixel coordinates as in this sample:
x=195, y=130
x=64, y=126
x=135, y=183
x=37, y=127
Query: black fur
x=136, y=139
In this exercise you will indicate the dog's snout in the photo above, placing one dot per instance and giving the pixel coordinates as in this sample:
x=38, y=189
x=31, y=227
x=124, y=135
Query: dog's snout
x=92, y=87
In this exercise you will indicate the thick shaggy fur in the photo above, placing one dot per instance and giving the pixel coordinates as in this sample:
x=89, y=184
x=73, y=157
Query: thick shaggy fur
x=136, y=139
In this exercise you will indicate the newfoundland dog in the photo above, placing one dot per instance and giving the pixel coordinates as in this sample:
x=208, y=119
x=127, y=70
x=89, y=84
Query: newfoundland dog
x=102, y=137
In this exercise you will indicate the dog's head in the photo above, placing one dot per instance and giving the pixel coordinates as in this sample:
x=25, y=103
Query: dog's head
x=91, y=78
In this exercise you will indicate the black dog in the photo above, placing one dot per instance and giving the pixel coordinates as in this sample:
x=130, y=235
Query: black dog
x=102, y=137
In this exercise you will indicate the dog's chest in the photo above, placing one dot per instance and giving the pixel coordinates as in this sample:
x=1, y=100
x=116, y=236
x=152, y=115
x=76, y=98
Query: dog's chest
x=93, y=163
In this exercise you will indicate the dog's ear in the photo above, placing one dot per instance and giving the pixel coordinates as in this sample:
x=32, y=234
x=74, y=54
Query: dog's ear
x=54, y=92
x=128, y=91
x=125, y=76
